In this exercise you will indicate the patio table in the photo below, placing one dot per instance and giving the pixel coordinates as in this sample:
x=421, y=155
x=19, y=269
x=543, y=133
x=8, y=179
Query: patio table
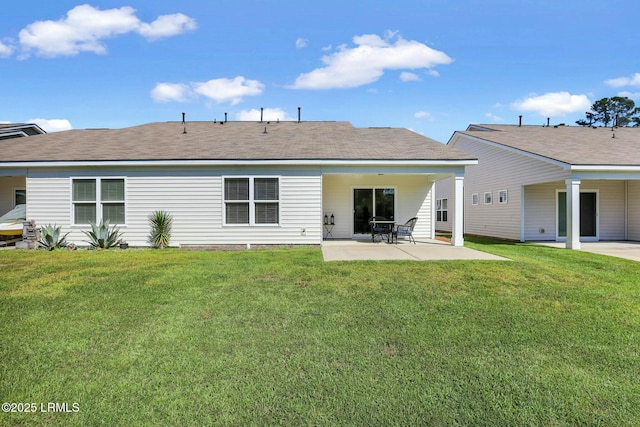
x=389, y=225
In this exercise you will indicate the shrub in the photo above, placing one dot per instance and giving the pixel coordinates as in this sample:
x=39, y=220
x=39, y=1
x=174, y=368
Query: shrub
x=50, y=237
x=161, y=223
x=101, y=237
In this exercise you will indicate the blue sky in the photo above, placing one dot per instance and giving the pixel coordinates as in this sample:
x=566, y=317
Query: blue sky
x=430, y=66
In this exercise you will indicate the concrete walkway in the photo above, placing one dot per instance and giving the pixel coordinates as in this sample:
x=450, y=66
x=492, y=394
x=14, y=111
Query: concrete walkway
x=627, y=250
x=426, y=250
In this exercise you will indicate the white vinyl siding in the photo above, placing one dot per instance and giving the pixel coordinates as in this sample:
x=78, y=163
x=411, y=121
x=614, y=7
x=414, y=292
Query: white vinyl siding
x=633, y=210
x=541, y=209
x=413, y=197
x=610, y=208
x=194, y=197
x=499, y=169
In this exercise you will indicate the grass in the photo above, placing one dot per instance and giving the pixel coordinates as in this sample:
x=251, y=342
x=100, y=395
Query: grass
x=146, y=337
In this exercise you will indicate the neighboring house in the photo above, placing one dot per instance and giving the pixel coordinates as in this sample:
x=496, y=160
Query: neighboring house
x=235, y=183
x=559, y=183
x=12, y=188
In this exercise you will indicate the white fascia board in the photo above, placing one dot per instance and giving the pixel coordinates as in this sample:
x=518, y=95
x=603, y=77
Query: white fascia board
x=164, y=163
x=20, y=133
x=563, y=165
x=606, y=172
x=605, y=168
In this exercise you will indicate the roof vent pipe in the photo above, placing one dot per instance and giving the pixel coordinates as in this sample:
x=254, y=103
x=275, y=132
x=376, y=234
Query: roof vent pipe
x=184, y=125
x=298, y=114
x=520, y=120
x=261, y=110
x=225, y=117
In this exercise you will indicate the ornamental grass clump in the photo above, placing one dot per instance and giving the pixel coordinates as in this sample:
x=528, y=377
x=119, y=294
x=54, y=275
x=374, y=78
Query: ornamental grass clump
x=160, y=234
x=101, y=237
x=50, y=238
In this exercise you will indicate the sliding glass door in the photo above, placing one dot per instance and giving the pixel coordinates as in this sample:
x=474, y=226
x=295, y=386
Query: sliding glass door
x=370, y=202
x=588, y=214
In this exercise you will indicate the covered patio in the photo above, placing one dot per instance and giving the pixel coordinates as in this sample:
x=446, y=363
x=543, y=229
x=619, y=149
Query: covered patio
x=422, y=250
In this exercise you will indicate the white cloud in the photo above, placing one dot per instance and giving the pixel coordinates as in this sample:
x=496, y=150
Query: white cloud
x=301, y=43
x=631, y=95
x=423, y=115
x=268, y=114
x=167, y=92
x=406, y=76
x=218, y=90
x=553, y=104
x=5, y=50
x=167, y=26
x=52, y=125
x=493, y=117
x=85, y=28
x=366, y=63
x=634, y=81
x=228, y=90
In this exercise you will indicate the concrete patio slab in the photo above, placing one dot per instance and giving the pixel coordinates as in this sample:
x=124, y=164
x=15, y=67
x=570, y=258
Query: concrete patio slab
x=627, y=250
x=426, y=250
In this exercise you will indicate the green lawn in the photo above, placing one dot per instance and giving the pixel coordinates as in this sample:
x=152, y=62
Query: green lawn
x=149, y=337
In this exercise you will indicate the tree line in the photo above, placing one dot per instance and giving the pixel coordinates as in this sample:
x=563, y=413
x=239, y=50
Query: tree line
x=617, y=111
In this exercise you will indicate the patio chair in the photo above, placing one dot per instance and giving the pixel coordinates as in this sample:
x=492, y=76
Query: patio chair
x=405, y=230
x=380, y=229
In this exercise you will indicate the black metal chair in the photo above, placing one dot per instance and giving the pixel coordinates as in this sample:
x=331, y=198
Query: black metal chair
x=380, y=229
x=405, y=230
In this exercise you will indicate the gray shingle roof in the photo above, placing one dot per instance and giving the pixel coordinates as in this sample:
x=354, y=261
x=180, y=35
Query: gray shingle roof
x=574, y=145
x=231, y=141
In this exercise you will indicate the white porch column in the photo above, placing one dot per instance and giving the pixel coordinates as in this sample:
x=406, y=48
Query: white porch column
x=573, y=213
x=457, y=228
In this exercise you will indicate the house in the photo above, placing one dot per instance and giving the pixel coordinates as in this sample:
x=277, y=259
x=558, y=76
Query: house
x=550, y=183
x=12, y=189
x=235, y=183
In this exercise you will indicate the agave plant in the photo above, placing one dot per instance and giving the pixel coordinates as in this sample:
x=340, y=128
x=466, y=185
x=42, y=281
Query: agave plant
x=101, y=237
x=161, y=223
x=50, y=237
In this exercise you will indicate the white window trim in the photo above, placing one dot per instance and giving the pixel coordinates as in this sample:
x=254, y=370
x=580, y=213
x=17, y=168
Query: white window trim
x=442, y=210
x=98, y=202
x=477, y=199
x=490, y=194
x=506, y=197
x=251, y=201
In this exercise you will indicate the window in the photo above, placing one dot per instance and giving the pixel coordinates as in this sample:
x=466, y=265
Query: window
x=502, y=196
x=488, y=198
x=20, y=197
x=474, y=199
x=98, y=199
x=442, y=211
x=252, y=201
